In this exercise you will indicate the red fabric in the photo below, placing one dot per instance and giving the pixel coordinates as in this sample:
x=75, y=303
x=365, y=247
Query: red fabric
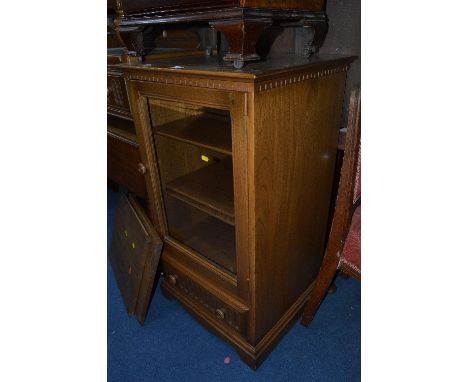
x=352, y=246
x=357, y=181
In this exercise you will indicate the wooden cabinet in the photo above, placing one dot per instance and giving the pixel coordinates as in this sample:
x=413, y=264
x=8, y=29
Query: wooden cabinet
x=239, y=172
x=123, y=156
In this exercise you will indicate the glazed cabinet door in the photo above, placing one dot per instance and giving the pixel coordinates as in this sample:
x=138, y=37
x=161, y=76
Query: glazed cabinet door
x=194, y=158
x=193, y=142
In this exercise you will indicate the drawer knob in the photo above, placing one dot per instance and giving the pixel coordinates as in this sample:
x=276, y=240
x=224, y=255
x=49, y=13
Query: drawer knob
x=141, y=168
x=172, y=279
x=220, y=313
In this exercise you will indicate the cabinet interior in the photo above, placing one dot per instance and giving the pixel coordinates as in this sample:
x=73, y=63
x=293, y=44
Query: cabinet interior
x=194, y=152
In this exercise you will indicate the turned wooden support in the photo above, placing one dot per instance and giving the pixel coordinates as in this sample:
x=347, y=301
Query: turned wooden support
x=242, y=35
x=315, y=31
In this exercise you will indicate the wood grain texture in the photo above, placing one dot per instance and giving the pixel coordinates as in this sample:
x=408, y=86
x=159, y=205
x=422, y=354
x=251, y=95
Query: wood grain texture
x=134, y=255
x=145, y=94
x=342, y=217
x=178, y=159
x=235, y=313
x=284, y=126
x=202, y=234
x=209, y=188
x=202, y=131
x=343, y=37
x=296, y=138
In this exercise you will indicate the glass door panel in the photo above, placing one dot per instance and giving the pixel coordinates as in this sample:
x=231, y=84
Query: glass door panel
x=194, y=151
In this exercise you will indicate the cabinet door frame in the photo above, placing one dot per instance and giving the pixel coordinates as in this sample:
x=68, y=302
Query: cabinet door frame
x=140, y=92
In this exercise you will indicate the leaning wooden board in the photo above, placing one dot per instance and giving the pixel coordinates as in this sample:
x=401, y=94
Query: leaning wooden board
x=134, y=255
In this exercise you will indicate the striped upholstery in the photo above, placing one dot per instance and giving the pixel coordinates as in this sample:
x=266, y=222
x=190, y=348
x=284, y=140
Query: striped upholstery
x=352, y=248
x=357, y=181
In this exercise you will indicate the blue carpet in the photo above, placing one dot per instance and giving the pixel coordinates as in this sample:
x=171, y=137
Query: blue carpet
x=172, y=346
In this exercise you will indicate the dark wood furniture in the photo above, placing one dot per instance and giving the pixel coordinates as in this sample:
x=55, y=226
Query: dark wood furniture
x=343, y=249
x=241, y=21
x=239, y=169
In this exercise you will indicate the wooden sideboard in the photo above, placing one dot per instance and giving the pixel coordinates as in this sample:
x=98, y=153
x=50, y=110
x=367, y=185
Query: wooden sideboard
x=239, y=169
x=123, y=156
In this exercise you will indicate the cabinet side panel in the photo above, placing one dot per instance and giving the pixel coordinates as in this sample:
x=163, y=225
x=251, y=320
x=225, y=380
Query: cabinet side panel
x=296, y=136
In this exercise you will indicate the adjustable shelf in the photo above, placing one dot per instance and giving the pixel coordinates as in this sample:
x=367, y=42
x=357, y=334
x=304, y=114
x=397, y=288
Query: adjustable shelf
x=204, y=131
x=208, y=236
x=215, y=242
x=209, y=189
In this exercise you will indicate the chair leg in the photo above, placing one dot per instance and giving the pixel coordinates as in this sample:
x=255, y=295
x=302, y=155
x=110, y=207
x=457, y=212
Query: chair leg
x=323, y=281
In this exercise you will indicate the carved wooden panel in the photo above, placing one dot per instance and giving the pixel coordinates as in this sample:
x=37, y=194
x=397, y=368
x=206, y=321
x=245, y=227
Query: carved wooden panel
x=117, y=98
x=234, y=318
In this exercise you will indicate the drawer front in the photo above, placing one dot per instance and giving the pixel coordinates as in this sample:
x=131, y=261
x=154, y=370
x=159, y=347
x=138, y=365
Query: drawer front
x=235, y=317
x=123, y=158
x=117, y=97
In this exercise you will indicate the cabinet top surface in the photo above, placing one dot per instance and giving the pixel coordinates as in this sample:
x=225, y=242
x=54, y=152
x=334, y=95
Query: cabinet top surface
x=215, y=66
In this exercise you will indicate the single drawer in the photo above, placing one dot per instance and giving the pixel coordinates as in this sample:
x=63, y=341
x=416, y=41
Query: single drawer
x=117, y=97
x=231, y=313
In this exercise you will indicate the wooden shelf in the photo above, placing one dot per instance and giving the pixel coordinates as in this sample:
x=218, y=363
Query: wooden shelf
x=210, y=238
x=209, y=189
x=208, y=132
x=121, y=128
